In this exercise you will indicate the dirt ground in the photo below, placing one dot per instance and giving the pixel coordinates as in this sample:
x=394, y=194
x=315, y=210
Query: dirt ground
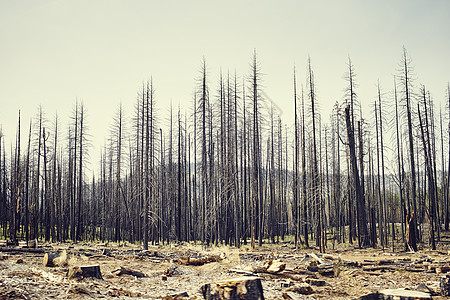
x=23, y=276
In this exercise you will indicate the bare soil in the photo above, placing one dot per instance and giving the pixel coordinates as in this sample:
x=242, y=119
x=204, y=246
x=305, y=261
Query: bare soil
x=167, y=274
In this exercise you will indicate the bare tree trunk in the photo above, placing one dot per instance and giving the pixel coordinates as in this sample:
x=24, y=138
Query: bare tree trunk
x=295, y=214
x=384, y=211
x=400, y=169
x=315, y=172
x=428, y=167
x=16, y=190
x=362, y=220
x=27, y=180
x=304, y=186
x=406, y=80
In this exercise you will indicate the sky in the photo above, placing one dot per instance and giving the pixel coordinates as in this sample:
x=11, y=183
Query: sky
x=54, y=52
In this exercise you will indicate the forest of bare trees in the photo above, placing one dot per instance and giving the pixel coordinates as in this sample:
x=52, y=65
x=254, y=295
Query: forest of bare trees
x=229, y=171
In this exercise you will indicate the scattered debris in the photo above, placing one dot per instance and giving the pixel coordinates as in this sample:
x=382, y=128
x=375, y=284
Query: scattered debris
x=170, y=270
x=301, y=288
x=78, y=289
x=315, y=282
x=274, y=266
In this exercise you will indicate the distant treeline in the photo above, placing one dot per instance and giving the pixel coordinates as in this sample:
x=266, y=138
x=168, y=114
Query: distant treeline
x=230, y=171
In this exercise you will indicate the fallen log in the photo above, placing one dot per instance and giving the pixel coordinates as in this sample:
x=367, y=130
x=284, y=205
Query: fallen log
x=249, y=288
x=383, y=268
x=176, y=296
x=350, y=263
x=318, y=259
x=199, y=261
x=124, y=271
x=396, y=294
x=302, y=288
x=244, y=272
x=392, y=268
x=55, y=259
x=331, y=269
x=21, y=250
x=294, y=277
x=84, y=272
x=443, y=269
x=316, y=282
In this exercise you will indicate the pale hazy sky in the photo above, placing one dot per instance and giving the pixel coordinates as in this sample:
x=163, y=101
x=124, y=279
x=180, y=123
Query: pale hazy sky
x=54, y=52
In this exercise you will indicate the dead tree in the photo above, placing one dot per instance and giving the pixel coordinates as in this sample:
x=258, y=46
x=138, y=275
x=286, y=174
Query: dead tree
x=406, y=82
x=256, y=191
x=304, y=177
x=362, y=219
x=315, y=167
x=400, y=169
x=295, y=210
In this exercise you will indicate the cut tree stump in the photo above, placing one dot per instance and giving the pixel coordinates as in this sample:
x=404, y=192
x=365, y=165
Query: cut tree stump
x=125, y=271
x=396, y=294
x=55, y=259
x=245, y=287
x=84, y=272
x=32, y=243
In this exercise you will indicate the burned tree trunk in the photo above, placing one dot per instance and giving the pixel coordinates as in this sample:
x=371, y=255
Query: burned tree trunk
x=362, y=219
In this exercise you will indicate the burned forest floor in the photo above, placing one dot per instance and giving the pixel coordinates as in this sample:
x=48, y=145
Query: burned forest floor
x=178, y=271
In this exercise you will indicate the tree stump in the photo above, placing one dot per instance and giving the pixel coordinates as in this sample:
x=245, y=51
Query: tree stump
x=249, y=288
x=84, y=272
x=444, y=284
x=32, y=243
x=55, y=259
